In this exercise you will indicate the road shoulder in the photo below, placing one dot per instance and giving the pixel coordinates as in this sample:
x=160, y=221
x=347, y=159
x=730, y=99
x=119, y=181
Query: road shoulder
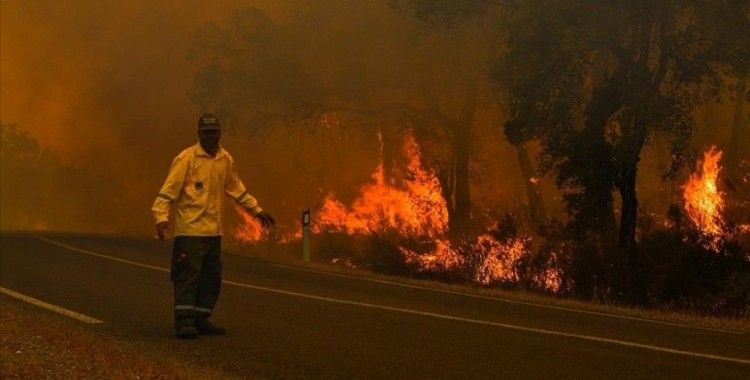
x=35, y=343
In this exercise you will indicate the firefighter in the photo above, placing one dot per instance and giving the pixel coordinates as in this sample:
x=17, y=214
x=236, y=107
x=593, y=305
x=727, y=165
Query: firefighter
x=193, y=190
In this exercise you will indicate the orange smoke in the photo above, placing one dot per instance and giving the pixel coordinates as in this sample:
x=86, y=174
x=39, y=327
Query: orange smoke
x=704, y=202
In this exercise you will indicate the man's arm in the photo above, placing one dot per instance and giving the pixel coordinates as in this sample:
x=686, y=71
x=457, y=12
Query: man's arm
x=168, y=194
x=235, y=189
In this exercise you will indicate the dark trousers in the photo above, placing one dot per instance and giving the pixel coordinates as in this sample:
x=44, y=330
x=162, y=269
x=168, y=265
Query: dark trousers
x=196, y=274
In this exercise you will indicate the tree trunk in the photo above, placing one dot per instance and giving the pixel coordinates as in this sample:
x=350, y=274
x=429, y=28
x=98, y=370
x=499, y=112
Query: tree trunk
x=629, y=157
x=629, y=215
x=462, y=130
x=738, y=124
x=390, y=154
x=608, y=220
x=462, y=191
x=537, y=214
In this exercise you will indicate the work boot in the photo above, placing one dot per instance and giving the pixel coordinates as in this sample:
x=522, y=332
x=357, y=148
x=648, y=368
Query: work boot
x=204, y=327
x=186, y=332
x=185, y=329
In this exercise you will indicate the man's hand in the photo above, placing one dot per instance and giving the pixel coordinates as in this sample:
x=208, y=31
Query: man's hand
x=265, y=219
x=162, y=228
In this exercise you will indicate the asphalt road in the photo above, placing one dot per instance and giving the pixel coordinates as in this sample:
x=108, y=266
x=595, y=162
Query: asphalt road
x=290, y=323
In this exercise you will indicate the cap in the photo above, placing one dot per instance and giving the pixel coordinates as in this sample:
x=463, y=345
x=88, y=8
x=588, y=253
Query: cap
x=208, y=121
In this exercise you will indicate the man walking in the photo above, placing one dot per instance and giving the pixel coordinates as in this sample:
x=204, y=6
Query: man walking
x=193, y=191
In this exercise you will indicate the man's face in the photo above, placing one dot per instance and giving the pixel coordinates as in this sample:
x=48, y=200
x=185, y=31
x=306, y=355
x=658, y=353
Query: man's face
x=209, y=139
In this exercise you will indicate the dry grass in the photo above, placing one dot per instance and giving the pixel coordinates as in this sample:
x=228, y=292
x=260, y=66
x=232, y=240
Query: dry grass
x=35, y=344
x=290, y=255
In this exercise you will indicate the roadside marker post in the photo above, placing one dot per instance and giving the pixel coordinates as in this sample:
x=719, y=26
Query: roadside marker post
x=306, y=235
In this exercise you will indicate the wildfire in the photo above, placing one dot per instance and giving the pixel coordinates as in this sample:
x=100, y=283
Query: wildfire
x=416, y=209
x=442, y=258
x=249, y=230
x=704, y=202
x=551, y=277
x=500, y=259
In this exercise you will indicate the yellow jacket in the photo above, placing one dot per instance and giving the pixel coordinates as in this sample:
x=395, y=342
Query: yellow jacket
x=194, y=186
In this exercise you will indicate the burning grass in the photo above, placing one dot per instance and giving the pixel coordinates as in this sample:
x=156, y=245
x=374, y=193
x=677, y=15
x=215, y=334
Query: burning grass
x=400, y=226
x=340, y=264
x=704, y=202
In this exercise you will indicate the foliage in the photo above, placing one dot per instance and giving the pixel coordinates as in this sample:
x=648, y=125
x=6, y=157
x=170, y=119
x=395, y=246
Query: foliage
x=593, y=81
x=579, y=259
x=39, y=191
x=680, y=272
x=253, y=74
x=374, y=65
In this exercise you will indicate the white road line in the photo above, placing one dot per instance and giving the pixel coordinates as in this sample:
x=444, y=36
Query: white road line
x=433, y=315
x=57, y=309
x=497, y=324
x=92, y=253
x=506, y=300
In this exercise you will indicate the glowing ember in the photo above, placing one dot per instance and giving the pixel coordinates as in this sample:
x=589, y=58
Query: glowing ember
x=704, y=202
x=500, y=259
x=249, y=230
x=344, y=261
x=416, y=209
x=443, y=258
x=551, y=277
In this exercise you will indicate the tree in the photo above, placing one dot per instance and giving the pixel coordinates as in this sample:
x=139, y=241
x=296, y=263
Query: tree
x=260, y=74
x=39, y=191
x=592, y=81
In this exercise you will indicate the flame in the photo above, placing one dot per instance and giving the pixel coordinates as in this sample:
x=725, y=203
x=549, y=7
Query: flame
x=417, y=209
x=500, y=259
x=551, y=277
x=499, y=262
x=249, y=230
x=704, y=202
x=442, y=258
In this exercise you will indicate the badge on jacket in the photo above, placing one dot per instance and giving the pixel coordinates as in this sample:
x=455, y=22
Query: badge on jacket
x=199, y=186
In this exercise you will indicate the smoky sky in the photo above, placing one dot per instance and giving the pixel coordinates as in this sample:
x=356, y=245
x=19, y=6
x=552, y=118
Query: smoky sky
x=106, y=86
x=85, y=77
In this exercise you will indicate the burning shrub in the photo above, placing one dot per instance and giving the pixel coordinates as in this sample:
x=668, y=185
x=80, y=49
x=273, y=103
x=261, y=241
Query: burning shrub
x=575, y=256
x=378, y=251
x=437, y=259
x=704, y=202
x=400, y=226
x=501, y=261
x=382, y=253
x=499, y=257
x=415, y=208
x=681, y=271
x=338, y=246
